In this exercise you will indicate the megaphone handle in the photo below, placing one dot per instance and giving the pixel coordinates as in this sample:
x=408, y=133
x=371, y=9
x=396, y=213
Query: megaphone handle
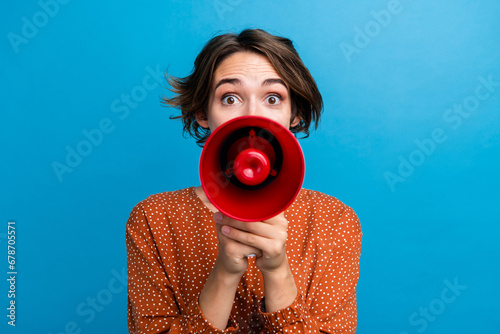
x=252, y=138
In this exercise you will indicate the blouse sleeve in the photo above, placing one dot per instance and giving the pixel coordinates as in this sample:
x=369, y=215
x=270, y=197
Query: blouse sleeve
x=331, y=304
x=152, y=305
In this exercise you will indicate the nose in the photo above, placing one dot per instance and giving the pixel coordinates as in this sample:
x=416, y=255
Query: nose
x=253, y=108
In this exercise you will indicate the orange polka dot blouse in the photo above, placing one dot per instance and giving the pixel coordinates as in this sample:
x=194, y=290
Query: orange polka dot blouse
x=172, y=247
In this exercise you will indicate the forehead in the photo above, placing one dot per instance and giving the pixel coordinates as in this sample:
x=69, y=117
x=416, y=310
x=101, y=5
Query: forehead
x=245, y=64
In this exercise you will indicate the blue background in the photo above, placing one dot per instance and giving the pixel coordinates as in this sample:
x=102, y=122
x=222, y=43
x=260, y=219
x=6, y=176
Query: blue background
x=429, y=213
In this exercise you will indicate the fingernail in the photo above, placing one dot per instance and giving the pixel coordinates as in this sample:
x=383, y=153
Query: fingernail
x=218, y=217
x=225, y=229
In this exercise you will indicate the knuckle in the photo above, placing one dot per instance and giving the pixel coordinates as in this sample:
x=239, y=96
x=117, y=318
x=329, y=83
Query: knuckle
x=281, y=236
x=283, y=224
x=274, y=252
x=250, y=238
x=229, y=249
x=250, y=227
x=280, y=249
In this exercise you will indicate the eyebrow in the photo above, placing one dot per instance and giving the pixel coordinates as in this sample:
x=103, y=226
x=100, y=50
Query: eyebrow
x=272, y=81
x=228, y=80
x=234, y=81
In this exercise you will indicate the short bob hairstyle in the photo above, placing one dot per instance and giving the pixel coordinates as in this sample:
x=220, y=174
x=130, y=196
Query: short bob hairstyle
x=192, y=92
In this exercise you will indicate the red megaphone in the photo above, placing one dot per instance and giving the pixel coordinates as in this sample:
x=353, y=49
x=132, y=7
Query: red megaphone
x=251, y=168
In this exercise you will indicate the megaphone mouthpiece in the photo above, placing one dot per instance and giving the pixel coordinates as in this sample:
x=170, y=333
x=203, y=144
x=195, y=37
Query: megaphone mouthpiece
x=252, y=167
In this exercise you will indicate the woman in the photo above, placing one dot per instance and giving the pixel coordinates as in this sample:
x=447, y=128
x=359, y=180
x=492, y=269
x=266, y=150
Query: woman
x=192, y=269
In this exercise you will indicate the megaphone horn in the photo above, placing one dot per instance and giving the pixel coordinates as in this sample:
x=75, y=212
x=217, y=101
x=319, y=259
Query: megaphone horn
x=251, y=168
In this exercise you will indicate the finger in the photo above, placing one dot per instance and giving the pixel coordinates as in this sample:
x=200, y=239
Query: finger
x=274, y=228
x=268, y=239
x=233, y=247
x=278, y=219
x=255, y=241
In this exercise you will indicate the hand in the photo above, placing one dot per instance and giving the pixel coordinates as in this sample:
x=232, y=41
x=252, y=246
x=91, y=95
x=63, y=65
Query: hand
x=233, y=255
x=266, y=240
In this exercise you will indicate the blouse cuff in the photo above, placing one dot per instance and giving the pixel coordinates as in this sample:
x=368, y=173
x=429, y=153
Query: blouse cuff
x=199, y=324
x=286, y=316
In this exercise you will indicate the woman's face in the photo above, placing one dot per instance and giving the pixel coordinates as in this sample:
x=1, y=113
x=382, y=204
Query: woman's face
x=246, y=83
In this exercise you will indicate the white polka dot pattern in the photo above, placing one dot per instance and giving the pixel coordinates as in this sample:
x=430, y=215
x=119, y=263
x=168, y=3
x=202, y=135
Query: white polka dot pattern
x=172, y=247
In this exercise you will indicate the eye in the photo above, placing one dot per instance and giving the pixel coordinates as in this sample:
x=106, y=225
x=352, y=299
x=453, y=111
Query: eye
x=230, y=100
x=273, y=100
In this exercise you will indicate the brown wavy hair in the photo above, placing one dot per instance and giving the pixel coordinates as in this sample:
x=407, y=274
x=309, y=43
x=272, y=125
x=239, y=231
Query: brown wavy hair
x=192, y=92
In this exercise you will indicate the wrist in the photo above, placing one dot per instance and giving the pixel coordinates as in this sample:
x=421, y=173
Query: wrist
x=279, y=288
x=224, y=277
x=277, y=275
x=217, y=296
